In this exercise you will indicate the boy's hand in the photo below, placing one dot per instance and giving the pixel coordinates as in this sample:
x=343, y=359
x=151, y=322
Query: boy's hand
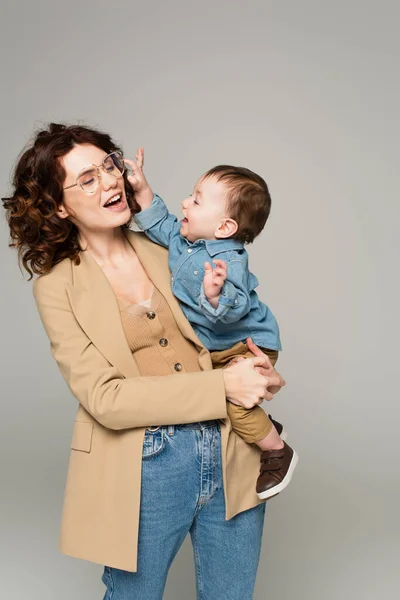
x=214, y=280
x=143, y=192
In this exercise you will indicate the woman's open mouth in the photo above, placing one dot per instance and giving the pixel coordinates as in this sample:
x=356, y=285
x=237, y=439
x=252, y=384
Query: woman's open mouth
x=116, y=203
x=184, y=220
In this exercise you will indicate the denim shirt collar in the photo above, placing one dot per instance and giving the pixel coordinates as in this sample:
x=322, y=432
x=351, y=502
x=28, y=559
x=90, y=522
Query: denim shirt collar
x=214, y=247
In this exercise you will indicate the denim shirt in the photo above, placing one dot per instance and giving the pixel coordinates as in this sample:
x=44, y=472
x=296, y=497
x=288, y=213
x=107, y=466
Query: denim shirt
x=239, y=313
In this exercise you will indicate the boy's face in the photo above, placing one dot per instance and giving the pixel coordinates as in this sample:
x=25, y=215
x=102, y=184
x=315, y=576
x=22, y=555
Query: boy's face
x=204, y=211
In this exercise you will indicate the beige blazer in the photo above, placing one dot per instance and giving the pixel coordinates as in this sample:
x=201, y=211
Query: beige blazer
x=81, y=317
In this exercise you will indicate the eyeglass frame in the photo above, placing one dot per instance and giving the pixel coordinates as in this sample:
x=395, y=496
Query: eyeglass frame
x=97, y=167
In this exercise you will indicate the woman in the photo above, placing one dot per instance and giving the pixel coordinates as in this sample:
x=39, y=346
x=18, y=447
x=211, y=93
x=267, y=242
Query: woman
x=152, y=454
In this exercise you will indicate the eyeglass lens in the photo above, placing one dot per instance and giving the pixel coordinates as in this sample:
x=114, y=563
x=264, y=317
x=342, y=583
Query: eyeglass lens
x=113, y=164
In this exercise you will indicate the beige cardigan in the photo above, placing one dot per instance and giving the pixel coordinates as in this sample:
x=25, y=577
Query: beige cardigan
x=81, y=317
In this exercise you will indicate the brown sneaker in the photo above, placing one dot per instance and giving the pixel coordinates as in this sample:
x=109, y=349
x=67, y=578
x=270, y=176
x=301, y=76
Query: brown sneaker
x=276, y=471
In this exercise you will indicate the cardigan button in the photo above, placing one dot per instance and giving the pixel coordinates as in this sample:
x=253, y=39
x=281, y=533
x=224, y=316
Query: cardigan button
x=163, y=342
x=178, y=367
x=151, y=315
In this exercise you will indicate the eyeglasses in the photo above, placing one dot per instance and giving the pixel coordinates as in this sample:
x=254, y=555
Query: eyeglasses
x=89, y=178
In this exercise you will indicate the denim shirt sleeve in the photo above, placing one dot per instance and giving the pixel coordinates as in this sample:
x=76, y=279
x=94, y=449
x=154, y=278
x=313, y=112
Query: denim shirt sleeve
x=234, y=301
x=157, y=222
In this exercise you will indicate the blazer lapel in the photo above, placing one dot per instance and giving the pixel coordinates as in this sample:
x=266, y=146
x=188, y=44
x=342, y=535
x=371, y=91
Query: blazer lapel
x=96, y=308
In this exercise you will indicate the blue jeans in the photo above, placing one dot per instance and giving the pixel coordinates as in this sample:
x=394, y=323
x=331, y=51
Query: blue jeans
x=182, y=492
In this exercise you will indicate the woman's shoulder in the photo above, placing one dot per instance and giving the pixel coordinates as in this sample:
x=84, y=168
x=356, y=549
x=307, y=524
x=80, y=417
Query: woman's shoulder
x=59, y=275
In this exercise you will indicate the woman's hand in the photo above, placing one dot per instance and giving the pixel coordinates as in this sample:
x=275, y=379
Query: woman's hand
x=276, y=381
x=243, y=385
x=143, y=192
x=267, y=369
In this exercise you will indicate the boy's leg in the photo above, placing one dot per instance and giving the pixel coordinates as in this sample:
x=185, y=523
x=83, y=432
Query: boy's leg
x=278, y=460
x=253, y=425
x=222, y=357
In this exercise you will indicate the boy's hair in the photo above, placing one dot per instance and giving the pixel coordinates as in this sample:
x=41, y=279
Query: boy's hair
x=248, y=199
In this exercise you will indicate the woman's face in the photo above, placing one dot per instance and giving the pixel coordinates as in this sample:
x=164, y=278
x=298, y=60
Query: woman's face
x=88, y=211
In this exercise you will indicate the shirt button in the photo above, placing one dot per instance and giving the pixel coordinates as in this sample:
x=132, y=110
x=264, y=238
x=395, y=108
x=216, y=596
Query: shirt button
x=235, y=301
x=178, y=367
x=190, y=250
x=151, y=315
x=195, y=272
x=163, y=342
x=172, y=278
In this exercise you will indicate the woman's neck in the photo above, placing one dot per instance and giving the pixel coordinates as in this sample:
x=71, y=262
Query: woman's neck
x=108, y=248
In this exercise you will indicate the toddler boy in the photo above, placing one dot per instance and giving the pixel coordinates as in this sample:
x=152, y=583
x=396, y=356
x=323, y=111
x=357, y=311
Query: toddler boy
x=228, y=208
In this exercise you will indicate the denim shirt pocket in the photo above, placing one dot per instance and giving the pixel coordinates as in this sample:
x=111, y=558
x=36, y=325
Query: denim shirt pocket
x=153, y=443
x=191, y=275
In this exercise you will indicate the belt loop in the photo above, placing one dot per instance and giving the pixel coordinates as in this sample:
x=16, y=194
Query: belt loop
x=171, y=430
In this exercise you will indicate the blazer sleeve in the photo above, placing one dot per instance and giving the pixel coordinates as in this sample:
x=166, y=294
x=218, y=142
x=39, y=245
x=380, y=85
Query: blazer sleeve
x=113, y=400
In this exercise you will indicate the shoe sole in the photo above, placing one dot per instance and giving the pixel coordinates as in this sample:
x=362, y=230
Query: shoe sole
x=284, y=483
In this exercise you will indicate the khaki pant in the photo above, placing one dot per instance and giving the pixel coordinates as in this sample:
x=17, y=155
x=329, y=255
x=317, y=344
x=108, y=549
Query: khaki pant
x=251, y=424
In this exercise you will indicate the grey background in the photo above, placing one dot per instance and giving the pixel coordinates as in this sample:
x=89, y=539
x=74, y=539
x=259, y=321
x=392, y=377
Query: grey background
x=307, y=94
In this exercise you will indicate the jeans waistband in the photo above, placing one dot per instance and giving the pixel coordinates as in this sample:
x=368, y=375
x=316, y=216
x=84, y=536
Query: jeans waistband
x=198, y=425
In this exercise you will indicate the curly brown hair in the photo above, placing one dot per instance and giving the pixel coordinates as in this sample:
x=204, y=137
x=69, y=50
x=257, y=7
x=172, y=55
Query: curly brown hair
x=41, y=237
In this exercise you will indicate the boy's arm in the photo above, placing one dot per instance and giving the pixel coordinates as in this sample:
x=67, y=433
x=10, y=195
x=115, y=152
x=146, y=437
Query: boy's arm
x=231, y=301
x=154, y=218
x=157, y=222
